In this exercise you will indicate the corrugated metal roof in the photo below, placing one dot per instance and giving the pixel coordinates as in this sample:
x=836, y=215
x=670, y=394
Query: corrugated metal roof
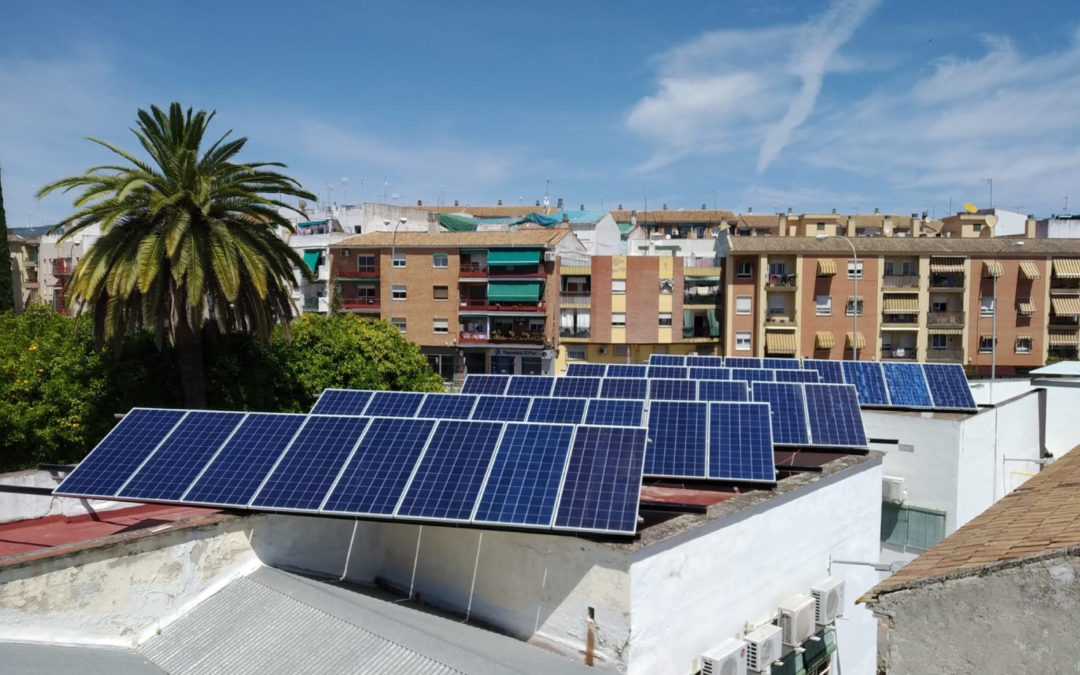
x=524, y=237
x=18, y=657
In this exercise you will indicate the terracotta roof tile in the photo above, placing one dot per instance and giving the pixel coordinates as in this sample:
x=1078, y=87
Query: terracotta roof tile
x=944, y=246
x=525, y=237
x=674, y=216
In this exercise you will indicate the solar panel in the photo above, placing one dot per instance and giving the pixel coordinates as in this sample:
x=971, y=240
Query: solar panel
x=788, y=411
x=166, y=475
x=576, y=387
x=835, y=419
x=829, y=371
x=694, y=360
x=700, y=373
x=614, y=412
x=666, y=360
x=485, y=384
x=242, y=464
x=394, y=404
x=781, y=364
x=796, y=376
x=312, y=463
x=673, y=390
x=627, y=370
x=524, y=482
x=868, y=381
x=753, y=374
x=447, y=406
x=449, y=476
x=586, y=370
x=723, y=390
x=130, y=442
x=741, y=442
x=502, y=408
x=742, y=362
x=341, y=402
x=621, y=387
x=531, y=385
x=668, y=372
x=376, y=474
x=677, y=435
x=602, y=488
x=557, y=410
x=907, y=385
x=949, y=386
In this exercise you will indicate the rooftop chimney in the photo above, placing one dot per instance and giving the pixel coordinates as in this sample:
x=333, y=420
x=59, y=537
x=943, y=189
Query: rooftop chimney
x=538, y=202
x=703, y=207
x=620, y=207
x=789, y=210
x=633, y=218
x=834, y=212
x=419, y=202
x=455, y=202
x=581, y=207
x=877, y=211
x=750, y=209
x=558, y=205
x=500, y=202
x=565, y=217
x=665, y=207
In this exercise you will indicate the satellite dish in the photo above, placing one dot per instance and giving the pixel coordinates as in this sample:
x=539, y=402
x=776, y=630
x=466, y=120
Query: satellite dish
x=991, y=220
x=303, y=204
x=970, y=208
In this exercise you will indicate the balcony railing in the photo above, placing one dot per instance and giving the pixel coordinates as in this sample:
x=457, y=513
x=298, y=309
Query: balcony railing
x=498, y=337
x=62, y=267
x=899, y=320
x=574, y=332
x=945, y=319
x=363, y=271
x=776, y=281
x=472, y=337
x=711, y=299
x=952, y=354
x=580, y=299
x=780, y=319
x=503, y=271
x=899, y=354
x=900, y=281
x=361, y=303
x=470, y=269
x=946, y=282
x=485, y=304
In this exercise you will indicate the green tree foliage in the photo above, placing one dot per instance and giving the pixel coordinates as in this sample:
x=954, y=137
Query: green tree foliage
x=187, y=240
x=7, y=288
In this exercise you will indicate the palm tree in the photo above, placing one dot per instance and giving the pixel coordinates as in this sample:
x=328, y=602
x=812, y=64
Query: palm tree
x=187, y=240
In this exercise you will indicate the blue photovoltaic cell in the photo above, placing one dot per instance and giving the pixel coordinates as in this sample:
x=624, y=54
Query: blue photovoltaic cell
x=531, y=385
x=502, y=408
x=723, y=390
x=788, y=411
x=705, y=361
x=614, y=412
x=341, y=402
x=677, y=439
x=742, y=362
x=740, y=442
x=576, y=387
x=668, y=372
x=698, y=373
x=666, y=360
x=796, y=376
x=180, y=457
x=245, y=460
x=557, y=410
x=586, y=370
x=835, y=418
x=394, y=404
x=949, y=386
x=781, y=364
x=603, y=480
x=447, y=406
x=753, y=374
x=907, y=385
x=376, y=474
x=485, y=384
x=673, y=390
x=448, y=478
x=622, y=387
x=131, y=441
x=626, y=370
x=311, y=464
x=868, y=381
x=524, y=481
x=830, y=372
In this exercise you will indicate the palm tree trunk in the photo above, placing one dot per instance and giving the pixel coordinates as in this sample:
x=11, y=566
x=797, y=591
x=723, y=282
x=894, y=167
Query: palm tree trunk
x=189, y=351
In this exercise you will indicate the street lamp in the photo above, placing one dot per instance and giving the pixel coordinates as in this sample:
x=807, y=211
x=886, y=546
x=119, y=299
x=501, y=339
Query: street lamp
x=855, y=305
x=993, y=319
x=393, y=246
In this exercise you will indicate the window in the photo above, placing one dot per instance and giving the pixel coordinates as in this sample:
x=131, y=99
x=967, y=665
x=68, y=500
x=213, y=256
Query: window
x=824, y=305
x=986, y=344
x=910, y=527
x=618, y=285
x=1023, y=345
x=938, y=305
x=622, y=350
x=977, y=226
x=854, y=269
x=986, y=305
x=742, y=304
x=742, y=340
x=576, y=284
x=575, y=353
x=365, y=263
x=618, y=320
x=399, y=260
x=854, y=307
x=667, y=286
x=777, y=269
x=439, y=260
x=821, y=227
x=665, y=318
x=939, y=342
x=745, y=269
x=440, y=292
x=907, y=268
x=397, y=292
x=399, y=322
x=440, y=325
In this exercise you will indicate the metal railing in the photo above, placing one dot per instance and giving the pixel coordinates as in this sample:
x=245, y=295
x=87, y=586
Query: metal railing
x=574, y=332
x=781, y=281
x=945, y=319
x=62, y=267
x=576, y=299
x=900, y=281
x=361, y=303
x=710, y=299
x=951, y=354
x=361, y=271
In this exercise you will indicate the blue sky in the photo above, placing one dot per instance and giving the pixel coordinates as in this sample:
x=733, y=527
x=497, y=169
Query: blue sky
x=854, y=104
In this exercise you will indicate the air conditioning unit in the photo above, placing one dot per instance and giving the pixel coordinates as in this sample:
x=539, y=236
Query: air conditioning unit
x=892, y=489
x=828, y=600
x=797, y=619
x=549, y=256
x=728, y=658
x=763, y=647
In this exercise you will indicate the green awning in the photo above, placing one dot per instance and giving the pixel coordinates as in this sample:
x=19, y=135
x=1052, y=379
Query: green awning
x=311, y=258
x=514, y=291
x=625, y=227
x=514, y=257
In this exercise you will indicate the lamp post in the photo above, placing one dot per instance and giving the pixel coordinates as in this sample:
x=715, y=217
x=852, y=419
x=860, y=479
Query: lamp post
x=393, y=248
x=855, y=305
x=993, y=319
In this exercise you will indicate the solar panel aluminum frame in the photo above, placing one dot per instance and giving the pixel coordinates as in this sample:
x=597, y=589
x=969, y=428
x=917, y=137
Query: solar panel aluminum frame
x=649, y=441
x=708, y=445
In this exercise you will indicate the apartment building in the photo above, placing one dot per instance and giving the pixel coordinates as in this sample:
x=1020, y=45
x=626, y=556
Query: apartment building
x=23, y=254
x=912, y=298
x=476, y=302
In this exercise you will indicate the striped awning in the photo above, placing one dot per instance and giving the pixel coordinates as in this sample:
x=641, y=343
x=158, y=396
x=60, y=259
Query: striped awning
x=1023, y=336
x=861, y=341
x=780, y=343
x=1067, y=268
x=992, y=269
x=1065, y=306
x=986, y=336
x=826, y=267
x=946, y=331
x=946, y=265
x=905, y=305
x=1025, y=307
x=1062, y=338
x=1029, y=270
x=823, y=339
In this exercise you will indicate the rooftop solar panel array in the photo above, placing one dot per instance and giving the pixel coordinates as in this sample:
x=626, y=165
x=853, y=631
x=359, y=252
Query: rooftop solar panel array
x=718, y=441
x=667, y=372
x=502, y=408
x=447, y=406
x=586, y=370
x=577, y=387
x=618, y=387
x=602, y=488
x=615, y=412
x=948, y=386
x=707, y=373
x=485, y=384
x=531, y=385
x=906, y=384
x=666, y=360
x=626, y=370
x=723, y=390
x=673, y=390
x=342, y=402
x=557, y=410
x=869, y=381
x=695, y=360
x=788, y=410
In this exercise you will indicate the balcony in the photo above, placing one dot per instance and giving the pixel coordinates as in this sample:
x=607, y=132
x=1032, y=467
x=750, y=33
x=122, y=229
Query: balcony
x=898, y=353
x=574, y=333
x=62, y=267
x=702, y=299
x=780, y=319
x=515, y=271
x=900, y=281
x=954, y=355
x=486, y=305
x=501, y=337
x=471, y=269
x=575, y=299
x=360, y=272
x=361, y=304
x=941, y=319
x=947, y=282
x=472, y=337
x=781, y=282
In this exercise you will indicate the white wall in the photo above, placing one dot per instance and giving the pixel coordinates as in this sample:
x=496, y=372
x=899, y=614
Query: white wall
x=607, y=239
x=14, y=506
